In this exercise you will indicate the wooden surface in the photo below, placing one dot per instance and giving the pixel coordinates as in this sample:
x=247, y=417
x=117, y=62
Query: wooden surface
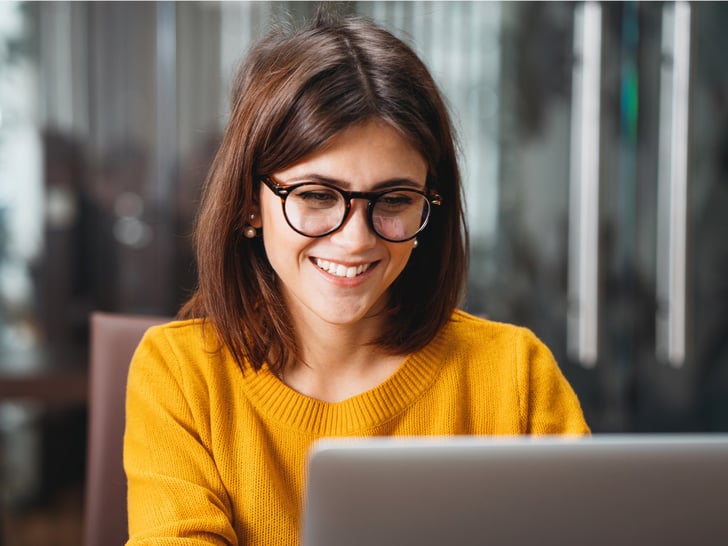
x=44, y=377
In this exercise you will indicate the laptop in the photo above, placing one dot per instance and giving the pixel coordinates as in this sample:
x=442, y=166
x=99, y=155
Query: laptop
x=518, y=491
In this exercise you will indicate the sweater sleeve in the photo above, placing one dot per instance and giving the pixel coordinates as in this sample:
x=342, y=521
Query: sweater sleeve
x=175, y=495
x=549, y=405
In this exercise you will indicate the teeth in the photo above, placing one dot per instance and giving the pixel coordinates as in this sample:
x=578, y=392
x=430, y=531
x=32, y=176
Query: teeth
x=340, y=270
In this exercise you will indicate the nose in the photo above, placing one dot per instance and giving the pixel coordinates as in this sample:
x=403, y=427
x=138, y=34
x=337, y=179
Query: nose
x=356, y=233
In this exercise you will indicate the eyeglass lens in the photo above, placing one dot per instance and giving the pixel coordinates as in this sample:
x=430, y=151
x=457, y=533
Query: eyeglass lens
x=315, y=210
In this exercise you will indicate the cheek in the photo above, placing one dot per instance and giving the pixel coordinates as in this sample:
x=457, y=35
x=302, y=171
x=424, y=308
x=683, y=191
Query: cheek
x=274, y=227
x=283, y=246
x=271, y=231
x=400, y=258
x=274, y=243
x=266, y=210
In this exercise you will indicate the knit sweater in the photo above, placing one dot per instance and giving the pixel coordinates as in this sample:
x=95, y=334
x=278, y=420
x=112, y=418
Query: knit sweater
x=217, y=456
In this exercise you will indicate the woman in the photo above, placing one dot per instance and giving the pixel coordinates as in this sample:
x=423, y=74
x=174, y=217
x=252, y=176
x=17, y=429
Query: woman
x=331, y=249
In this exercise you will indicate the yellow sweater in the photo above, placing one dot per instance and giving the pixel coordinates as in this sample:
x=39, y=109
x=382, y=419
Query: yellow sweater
x=215, y=456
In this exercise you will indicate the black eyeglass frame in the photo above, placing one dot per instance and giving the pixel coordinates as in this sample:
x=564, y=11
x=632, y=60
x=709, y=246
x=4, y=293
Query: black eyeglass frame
x=283, y=191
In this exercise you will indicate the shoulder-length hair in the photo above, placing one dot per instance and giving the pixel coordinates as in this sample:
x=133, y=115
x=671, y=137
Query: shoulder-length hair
x=297, y=90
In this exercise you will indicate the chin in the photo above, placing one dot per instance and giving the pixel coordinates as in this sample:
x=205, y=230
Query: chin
x=346, y=318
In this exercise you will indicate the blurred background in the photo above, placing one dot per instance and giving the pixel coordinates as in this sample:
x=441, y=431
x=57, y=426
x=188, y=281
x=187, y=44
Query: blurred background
x=594, y=145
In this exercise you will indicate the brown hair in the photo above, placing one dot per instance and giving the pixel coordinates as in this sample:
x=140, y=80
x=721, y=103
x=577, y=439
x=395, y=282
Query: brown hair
x=296, y=90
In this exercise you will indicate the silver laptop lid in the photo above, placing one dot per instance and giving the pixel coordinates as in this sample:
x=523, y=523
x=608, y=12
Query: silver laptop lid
x=603, y=490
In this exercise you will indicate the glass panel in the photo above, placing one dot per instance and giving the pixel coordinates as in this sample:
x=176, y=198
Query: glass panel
x=22, y=193
x=520, y=275
x=708, y=219
x=630, y=113
x=26, y=208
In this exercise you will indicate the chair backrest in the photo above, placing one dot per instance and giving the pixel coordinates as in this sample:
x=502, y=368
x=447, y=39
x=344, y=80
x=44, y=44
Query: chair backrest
x=114, y=337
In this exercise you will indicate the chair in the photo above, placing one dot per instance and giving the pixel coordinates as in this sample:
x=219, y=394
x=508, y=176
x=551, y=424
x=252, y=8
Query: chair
x=114, y=338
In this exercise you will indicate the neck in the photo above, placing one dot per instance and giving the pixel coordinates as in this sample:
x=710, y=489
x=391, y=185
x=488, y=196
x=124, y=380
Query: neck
x=339, y=361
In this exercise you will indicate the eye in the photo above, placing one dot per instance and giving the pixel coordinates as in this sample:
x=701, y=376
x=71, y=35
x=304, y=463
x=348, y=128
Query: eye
x=315, y=196
x=397, y=200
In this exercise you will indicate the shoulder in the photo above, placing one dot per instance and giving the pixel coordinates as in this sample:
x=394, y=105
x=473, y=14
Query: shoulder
x=518, y=363
x=177, y=328
x=182, y=357
x=467, y=328
x=188, y=335
x=181, y=346
x=492, y=344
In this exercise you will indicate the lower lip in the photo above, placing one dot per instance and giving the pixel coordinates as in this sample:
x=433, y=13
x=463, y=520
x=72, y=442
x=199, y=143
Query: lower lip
x=346, y=281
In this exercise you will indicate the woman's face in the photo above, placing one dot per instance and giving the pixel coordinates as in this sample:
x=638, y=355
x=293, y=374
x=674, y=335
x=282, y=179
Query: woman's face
x=315, y=275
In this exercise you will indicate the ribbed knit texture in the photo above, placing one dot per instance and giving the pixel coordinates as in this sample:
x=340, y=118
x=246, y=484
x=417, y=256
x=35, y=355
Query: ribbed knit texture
x=215, y=456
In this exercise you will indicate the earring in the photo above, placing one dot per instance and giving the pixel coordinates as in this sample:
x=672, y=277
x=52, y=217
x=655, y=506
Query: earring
x=415, y=243
x=250, y=232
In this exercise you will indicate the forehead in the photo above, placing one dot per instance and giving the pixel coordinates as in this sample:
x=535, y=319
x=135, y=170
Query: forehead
x=362, y=156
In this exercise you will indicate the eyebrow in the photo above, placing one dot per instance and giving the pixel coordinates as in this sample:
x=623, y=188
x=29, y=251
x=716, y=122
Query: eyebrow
x=396, y=182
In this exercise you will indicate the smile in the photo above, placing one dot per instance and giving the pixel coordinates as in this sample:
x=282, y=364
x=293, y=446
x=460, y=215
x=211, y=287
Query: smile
x=340, y=270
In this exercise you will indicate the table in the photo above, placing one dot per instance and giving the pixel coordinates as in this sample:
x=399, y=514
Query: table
x=45, y=377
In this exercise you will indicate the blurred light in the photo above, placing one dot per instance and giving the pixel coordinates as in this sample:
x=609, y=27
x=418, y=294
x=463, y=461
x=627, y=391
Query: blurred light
x=61, y=209
x=132, y=232
x=129, y=204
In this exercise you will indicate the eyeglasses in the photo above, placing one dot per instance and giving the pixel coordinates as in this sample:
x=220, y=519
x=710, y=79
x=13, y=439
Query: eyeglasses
x=316, y=209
